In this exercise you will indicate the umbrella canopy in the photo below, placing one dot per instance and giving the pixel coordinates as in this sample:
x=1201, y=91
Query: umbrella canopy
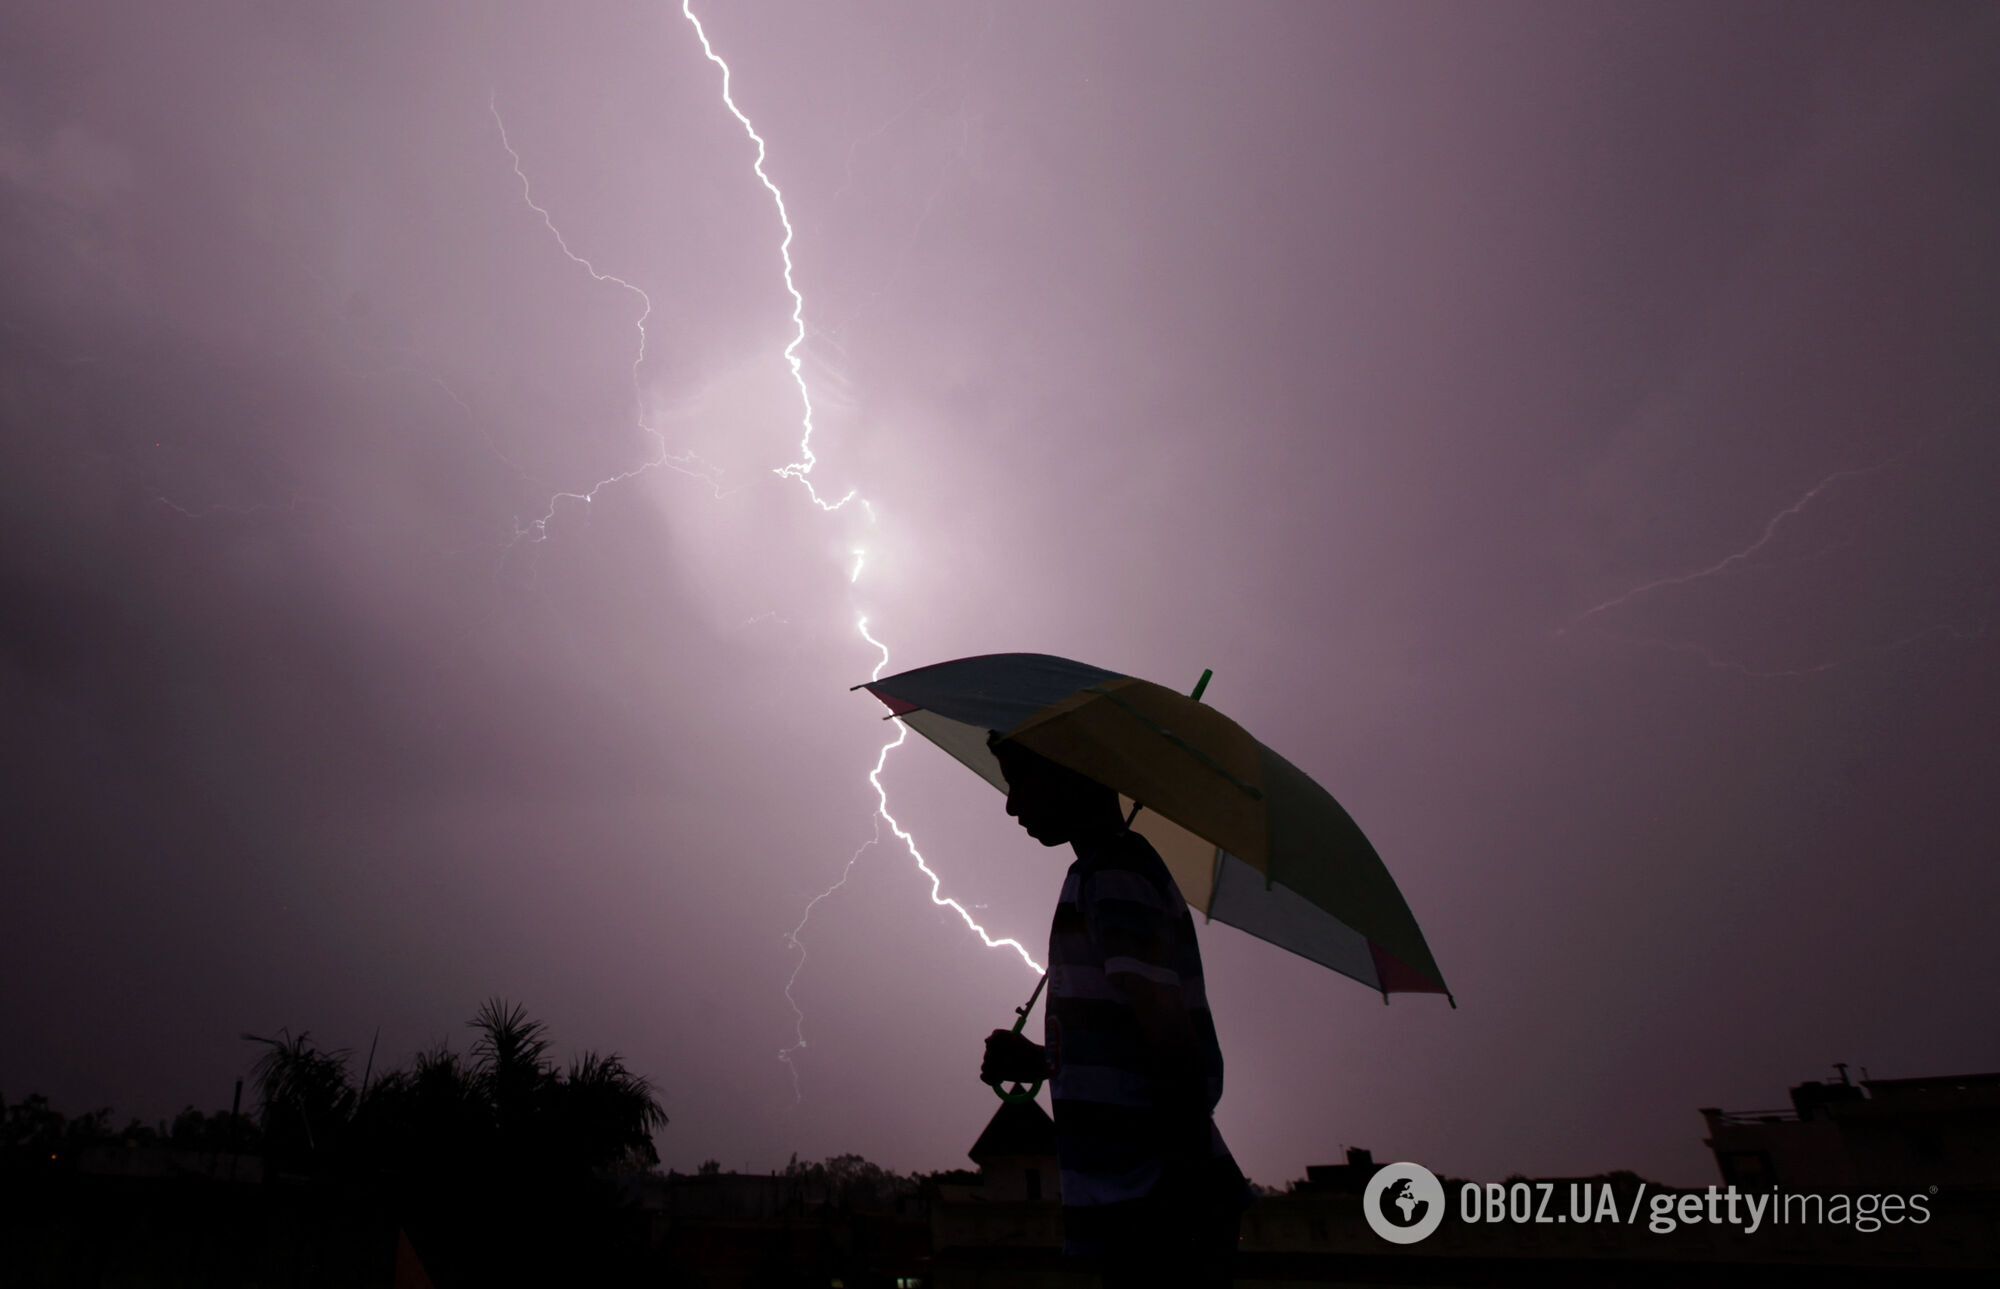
x=1251, y=840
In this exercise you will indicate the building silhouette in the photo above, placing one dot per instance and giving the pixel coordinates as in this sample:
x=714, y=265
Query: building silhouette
x=1880, y=1135
x=1874, y=1135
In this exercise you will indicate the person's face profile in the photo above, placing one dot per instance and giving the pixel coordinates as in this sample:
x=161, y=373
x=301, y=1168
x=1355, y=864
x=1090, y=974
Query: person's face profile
x=1033, y=801
x=1052, y=805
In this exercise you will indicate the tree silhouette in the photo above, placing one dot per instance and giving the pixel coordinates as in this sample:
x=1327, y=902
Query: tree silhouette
x=497, y=1161
x=851, y=1182
x=306, y=1097
x=509, y=1101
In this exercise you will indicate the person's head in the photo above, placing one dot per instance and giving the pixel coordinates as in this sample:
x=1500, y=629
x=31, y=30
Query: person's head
x=1053, y=803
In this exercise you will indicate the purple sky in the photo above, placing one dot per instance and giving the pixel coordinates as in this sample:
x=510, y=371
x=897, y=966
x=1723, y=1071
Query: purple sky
x=1355, y=351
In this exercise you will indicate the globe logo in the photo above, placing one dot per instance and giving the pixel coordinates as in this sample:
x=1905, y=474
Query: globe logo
x=1403, y=1202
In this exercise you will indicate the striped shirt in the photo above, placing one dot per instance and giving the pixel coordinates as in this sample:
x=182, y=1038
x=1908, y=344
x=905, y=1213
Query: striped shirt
x=1136, y=1071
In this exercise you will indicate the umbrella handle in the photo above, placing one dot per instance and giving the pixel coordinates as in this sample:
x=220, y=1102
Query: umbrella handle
x=1022, y=1091
x=1018, y=1091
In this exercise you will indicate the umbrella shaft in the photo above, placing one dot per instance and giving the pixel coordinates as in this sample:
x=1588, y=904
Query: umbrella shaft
x=1199, y=685
x=1021, y=1012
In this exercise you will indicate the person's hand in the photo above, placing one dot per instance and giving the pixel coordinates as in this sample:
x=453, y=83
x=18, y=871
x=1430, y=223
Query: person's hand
x=1012, y=1058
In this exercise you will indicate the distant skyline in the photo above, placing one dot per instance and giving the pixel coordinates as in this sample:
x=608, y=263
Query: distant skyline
x=1565, y=429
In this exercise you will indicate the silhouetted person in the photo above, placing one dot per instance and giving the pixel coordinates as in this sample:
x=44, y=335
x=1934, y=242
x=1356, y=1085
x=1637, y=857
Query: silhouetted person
x=1150, y=1193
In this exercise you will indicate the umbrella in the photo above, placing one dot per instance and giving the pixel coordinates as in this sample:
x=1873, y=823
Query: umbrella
x=1250, y=839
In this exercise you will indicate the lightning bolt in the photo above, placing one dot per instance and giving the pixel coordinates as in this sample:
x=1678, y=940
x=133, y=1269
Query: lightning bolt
x=882, y=810
x=801, y=470
x=1954, y=629
x=798, y=1012
x=229, y=508
x=1735, y=558
x=686, y=463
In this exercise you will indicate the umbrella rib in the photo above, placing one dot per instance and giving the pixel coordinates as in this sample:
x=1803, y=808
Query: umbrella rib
x=1254, y=793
